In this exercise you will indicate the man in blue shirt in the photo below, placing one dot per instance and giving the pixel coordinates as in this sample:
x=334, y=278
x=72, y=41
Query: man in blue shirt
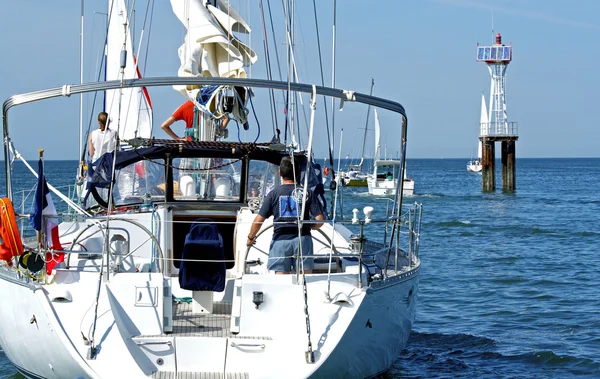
x=284, y=203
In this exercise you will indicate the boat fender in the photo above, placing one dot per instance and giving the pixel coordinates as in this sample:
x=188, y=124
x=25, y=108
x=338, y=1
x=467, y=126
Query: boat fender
x=10, y=243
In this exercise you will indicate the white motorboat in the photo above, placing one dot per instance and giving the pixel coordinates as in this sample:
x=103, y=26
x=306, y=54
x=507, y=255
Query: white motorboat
x=385, y=179
x=386, y=172
x=155, y=279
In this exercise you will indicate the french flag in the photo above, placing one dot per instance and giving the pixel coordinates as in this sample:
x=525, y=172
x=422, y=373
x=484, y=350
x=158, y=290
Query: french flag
x=43, y=209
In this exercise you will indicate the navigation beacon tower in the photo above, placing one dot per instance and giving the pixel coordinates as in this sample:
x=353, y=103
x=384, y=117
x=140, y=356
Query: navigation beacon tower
x=497, y=57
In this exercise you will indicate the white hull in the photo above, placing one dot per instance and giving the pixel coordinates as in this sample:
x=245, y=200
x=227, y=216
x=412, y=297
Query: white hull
x=354, y=182
x=140, y=333
x=373, y=329
x=388, y=187
x=379, y=344
x=353, y=178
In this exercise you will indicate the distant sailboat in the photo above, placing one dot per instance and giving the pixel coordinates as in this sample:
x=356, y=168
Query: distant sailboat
x=355, y=176
x=475, y=165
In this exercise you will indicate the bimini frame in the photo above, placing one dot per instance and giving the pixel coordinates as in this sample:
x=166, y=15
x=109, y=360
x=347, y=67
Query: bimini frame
x=76, y=89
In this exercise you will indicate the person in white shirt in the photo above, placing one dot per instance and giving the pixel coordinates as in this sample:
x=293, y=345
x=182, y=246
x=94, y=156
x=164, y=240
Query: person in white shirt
x=102, y=140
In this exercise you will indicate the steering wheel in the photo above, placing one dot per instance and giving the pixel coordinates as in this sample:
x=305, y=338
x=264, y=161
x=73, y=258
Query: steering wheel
x=102, y=229
x=327, y=244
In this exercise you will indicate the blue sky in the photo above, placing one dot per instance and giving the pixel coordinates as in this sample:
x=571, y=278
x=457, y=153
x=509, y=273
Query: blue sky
x=420, y=53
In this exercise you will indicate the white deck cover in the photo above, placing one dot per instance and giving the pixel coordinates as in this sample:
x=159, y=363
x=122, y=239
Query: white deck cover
x=210, y=48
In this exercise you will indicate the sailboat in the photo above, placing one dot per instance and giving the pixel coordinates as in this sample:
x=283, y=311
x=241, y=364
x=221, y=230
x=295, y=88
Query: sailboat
x=158, y=281
x=474, y=165
x=355, y=177
x=386, y=172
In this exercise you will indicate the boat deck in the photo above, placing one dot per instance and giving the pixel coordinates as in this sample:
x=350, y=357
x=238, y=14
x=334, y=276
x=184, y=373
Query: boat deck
x=216, y=324
x=188, y=324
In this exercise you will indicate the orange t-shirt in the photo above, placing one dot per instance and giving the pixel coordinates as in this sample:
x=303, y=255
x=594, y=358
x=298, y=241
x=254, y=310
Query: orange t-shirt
x=186, y=113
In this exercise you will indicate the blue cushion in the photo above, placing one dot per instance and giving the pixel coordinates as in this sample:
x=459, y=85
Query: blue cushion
x=203, y=243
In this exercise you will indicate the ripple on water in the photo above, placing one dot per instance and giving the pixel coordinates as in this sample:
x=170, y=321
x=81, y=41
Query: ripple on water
x=467, y=356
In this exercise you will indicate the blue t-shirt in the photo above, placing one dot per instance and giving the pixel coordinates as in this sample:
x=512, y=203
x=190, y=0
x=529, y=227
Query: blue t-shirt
x=284, y=203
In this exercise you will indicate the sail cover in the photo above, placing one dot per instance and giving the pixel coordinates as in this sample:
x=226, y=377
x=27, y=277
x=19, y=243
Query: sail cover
x=129, y=109
x=210, y=48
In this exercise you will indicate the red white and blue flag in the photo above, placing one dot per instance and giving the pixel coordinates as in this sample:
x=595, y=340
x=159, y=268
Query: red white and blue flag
x=43, y=210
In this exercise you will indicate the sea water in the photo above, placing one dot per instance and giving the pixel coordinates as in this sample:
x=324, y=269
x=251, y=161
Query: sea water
x=509, y=280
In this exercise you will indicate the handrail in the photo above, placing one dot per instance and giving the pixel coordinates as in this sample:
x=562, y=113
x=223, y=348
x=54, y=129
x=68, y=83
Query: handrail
x=75, y=89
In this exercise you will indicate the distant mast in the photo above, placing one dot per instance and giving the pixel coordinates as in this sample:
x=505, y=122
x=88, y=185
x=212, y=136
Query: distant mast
x=497, y=57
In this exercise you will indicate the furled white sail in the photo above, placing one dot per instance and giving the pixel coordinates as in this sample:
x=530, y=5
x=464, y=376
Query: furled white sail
x=377, y=154
x=483, y=123
x=210, y=48
x=129, y=109
x=484, y=114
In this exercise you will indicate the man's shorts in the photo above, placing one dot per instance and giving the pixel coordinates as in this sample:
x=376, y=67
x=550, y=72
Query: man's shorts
x=282, y=254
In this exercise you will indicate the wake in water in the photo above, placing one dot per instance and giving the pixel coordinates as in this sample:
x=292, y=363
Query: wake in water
x=433, y=355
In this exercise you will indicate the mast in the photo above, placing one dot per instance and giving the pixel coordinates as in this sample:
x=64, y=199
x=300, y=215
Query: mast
x=333, y=76
x=362, y=155
x=81, y=82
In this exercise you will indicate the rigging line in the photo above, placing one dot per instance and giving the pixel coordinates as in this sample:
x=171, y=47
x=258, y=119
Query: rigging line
x=333, y=220
x=276, y=59
x=288, y=106
x=136, y=66
x=151, y=110
x=63, y=197
x=127, y=27
x=337, y=187
x=149, y=33
x=274, y=39
x=293, y=72
x=248, y=39
x=297, y=118
x=256, y=118
x=268, y=67
x=313, y=106
x=272, y=101
x=329, y=146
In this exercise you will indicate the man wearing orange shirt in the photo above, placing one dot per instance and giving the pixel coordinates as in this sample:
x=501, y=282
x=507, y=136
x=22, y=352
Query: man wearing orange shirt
x=186, y=113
